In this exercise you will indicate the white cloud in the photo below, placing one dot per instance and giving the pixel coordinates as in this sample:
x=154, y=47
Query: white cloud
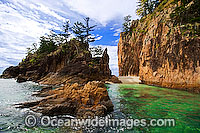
x=46, y=10
x=20, y=27
x=115, y=25
x=104, y=11
x=117, y=32
x=23, y=22
x=98, y=37
x=116, y=41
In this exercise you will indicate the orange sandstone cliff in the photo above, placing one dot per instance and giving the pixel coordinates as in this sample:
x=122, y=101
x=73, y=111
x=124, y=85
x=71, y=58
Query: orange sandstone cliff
x=162, y=50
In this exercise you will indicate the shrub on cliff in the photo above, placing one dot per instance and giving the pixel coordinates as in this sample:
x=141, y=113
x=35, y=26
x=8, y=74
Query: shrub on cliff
x=47, y=44
x=127, y=24
x=146, y=7
x=187, y=12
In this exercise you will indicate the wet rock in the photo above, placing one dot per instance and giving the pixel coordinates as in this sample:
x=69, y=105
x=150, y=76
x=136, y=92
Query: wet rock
x=42, y=92
x=21, y=79
x=75, y=99
x=11, y=72
x=47, y=88
x=114, y=79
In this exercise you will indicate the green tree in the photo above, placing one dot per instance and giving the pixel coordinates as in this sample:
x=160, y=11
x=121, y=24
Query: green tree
x=142, y=8
x=145, y=7
x=88, y=29
x=33, y=49
x=127, y=24
x=66, y=28
x=83, y=31
x=47, y=44
x=79, y=30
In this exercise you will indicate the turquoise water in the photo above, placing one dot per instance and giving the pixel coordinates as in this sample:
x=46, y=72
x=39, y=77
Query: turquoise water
x=136, y=101
x=141, y=101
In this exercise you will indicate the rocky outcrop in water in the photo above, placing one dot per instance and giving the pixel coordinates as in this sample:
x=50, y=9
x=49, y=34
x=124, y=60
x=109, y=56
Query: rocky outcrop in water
x=65, y=65
x=86, y=100
x=161, y=51
x=73, y=67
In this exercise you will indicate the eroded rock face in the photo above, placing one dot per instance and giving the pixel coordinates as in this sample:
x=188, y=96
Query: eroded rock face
x=81, y=101
x=62, y=66
x=161, y=53
x=75, y=69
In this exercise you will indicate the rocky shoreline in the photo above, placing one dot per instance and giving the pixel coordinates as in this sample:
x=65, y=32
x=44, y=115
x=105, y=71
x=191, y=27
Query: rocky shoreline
x=80, y=76
x=90, y=99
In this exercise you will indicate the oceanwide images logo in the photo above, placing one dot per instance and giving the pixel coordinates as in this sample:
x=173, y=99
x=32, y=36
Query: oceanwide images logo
x=32, y=120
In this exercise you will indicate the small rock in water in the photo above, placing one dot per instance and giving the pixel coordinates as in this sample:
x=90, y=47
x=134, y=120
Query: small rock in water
x=20, y=79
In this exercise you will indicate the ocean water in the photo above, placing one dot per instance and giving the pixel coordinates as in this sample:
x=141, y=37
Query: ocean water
x=140, y=101
x=136, y=101
x=11, y=93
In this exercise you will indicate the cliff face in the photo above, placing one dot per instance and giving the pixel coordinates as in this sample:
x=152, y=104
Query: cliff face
x=65, y=65
x=129, y=48
x=161, y=51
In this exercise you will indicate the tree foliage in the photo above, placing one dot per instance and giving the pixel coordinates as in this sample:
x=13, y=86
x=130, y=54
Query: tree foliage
x=33, y=49
x=187, y=12
x=66, y=28
x=127, y=24
x=146, y=7
x=47, y=44
x=89, y=29
x=50, y=43
x=78, y=30
x=82, y=31
x=96, y=51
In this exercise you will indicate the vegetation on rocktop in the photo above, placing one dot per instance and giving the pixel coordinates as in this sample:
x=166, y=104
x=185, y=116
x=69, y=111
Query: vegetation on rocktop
x=53, y=41
x=146, y=7
x=186, y=15
x=127, y=24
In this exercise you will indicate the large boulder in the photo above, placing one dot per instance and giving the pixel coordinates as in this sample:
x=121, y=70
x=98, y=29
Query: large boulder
x=91, y=99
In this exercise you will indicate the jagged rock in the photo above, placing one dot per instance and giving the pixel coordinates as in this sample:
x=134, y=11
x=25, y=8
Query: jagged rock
x=42, y=92
x=11, y=72
x=47, y=88
x=81, y=101
x=60, y=67
x=104, y=63
x=73, y=69
x=21, y=79
x=160, y=53
x=114, y=79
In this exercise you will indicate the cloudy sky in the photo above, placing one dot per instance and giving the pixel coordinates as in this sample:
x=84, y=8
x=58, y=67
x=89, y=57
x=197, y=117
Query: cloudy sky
x=22, y=22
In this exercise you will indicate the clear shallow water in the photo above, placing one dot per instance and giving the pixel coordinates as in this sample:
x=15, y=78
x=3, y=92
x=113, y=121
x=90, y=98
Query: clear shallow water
x=138, y=101
x=142, y=101
x=11, y=92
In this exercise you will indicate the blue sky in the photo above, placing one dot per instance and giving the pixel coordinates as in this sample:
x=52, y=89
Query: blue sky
x=22, y=22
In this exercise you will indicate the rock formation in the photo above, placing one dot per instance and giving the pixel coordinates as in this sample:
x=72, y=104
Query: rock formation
x=62, y=66
x=161, y=51
x=81, y=101
x=72, y=66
